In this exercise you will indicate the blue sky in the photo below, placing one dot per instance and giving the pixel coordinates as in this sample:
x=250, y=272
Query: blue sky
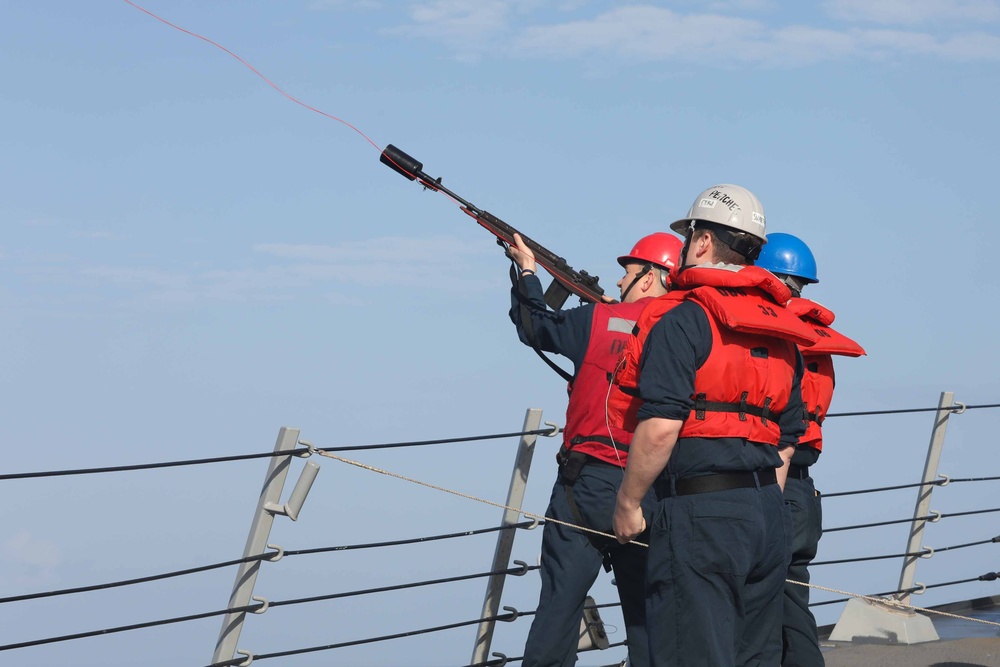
x=189, y=261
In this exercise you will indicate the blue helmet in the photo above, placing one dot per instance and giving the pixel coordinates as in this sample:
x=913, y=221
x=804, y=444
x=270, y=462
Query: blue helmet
x=788, y=255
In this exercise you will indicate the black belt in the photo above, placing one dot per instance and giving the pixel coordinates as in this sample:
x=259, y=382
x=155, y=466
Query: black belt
x=602, y=439
x=798, y=472
x=687, y=486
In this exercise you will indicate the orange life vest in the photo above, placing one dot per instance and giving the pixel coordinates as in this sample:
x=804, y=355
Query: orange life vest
x=818, y=379
x=587, y=429
x=746, y=381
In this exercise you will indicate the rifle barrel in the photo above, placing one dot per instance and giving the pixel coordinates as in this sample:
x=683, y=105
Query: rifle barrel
x=578, y=282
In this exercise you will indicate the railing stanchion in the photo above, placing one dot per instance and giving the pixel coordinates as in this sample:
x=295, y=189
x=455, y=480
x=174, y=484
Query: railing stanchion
x=274, y=481
x=505, y=539
x=923, y=505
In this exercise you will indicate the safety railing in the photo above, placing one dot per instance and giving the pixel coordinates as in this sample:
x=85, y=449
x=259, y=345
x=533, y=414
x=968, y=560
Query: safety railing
x=259, y=553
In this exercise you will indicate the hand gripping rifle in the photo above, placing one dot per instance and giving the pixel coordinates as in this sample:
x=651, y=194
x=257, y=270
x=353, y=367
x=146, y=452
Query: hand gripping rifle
x=567, y=279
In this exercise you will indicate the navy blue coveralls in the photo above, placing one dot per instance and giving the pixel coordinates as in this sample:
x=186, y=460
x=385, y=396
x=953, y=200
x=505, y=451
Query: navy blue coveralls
x=570, y=560
x=717, y=560
x=799, y=636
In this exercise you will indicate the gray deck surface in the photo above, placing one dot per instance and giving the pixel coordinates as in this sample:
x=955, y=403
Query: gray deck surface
x=963, y=643
x=967, y=652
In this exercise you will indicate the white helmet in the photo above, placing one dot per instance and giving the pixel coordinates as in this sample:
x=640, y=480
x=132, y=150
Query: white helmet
x=727, y=205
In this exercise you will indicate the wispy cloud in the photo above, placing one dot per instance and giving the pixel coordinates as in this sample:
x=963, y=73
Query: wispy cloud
x=383, y=263
x=26, y=549
x=465, y=26
x=439, y=263
x=331, y=5
x=915, y=12
x=967, y=47
x=29, y=560
x=732, y=31
x=393, y=249
x=646, y=32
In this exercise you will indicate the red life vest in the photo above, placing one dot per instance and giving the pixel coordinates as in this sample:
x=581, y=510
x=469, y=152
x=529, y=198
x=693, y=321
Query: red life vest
x=746, y=381
x=818, y=379
x=587, y=428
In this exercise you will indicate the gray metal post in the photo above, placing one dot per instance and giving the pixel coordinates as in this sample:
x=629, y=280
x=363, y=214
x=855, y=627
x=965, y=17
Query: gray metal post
x=232, y=624
x=913, y=545
x=505, y=539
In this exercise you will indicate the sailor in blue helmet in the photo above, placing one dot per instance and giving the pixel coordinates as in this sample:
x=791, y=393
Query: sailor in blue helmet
x=790, y=259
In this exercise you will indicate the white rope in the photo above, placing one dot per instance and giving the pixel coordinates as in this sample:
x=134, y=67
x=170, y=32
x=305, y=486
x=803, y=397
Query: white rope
x=883, y=601
x=530, y=515
x=895, y=604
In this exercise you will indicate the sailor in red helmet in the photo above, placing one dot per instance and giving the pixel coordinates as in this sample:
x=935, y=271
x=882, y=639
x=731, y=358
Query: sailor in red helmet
x=719, y=377
x=593, y=455
x=791, y=260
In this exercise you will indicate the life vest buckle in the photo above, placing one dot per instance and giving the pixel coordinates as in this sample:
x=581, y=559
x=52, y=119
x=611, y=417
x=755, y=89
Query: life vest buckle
x=743, y=406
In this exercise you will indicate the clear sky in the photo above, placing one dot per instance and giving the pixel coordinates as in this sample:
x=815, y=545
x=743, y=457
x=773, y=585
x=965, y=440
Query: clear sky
x=189, y=261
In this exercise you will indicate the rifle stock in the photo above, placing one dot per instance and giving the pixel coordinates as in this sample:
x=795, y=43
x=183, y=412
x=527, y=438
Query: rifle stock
x=567, y=280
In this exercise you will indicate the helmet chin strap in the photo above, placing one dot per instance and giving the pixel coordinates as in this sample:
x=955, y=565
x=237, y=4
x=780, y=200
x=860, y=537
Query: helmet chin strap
x=645, y=269
x=682, y=264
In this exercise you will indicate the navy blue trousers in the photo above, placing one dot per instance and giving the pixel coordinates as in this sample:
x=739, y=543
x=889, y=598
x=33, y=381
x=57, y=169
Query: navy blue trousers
x=570, y=564
x=798, y=634
x=715, y=578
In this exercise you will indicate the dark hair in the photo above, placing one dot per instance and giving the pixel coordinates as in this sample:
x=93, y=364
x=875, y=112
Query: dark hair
x=731, y=247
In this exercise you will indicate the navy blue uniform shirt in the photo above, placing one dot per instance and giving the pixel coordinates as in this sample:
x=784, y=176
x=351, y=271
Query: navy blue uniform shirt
x=675, y=349
x=565, y=332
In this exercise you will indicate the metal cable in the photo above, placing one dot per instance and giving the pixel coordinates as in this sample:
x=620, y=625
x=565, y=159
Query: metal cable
x=244, y=457
x=930, y=517
x=412, y=540
x=125, y=628
x=414, y=443
x=502, y=659
x=419, y=443
x=975, y=479
x=937, y=482
x=989, y=576
x=508, y=617
x=867, y=558
x=264, y=556
x=140, y=580
x=150, y=466
x=926, y=552
x=951, y=408
x=880, y=523
x=992, y=540
x=517, y=572
x=249, y=608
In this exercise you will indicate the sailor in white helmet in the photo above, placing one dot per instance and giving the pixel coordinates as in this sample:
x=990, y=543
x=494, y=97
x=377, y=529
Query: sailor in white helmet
x=719, y=377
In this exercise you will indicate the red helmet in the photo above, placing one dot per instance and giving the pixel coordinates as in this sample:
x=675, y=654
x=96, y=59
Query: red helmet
x=661, y=249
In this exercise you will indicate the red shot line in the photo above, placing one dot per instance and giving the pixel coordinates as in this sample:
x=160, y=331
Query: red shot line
x=266, y=80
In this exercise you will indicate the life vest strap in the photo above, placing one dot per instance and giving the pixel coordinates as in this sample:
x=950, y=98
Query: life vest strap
x=603, y=439
x=701, y=406
x=814, y=417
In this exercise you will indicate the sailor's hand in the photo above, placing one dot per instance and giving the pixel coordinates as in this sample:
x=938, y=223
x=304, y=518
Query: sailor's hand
x=522, y=255
x=629, y=521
